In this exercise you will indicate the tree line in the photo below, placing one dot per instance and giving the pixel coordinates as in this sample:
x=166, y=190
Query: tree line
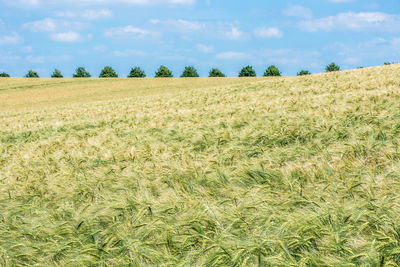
x=164, y=72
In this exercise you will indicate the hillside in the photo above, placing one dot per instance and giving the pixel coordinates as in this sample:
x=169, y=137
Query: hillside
x=291, y=171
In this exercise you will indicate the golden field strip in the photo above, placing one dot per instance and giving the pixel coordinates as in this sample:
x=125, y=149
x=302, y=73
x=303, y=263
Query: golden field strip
x=291, y=171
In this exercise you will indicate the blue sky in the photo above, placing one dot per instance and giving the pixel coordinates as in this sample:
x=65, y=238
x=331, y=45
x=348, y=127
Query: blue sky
x=293, y=35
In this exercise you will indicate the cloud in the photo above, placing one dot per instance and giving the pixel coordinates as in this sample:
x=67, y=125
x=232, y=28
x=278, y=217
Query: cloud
x=52, y=25
x=66, y=37
x=27, y=49
x=232, y=55
x=271, y=32
x=38, y=3
x=45, y=59
x=89, y=14
x=298, y=11
x=10, y=38
x=44, y=25
x=363, y=21
x=340, y=1
x=185, y=26
x=128, y=53
x=205, y=48
x=128, y=31
x=234, y=33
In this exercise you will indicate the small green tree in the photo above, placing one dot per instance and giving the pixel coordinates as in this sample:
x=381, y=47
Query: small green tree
x=163, y=72
x=332, y=67
x=137, y=72
x=215, y=73
x=272, y=71
x=32, y=74
x=303, y=72
x=4, y=75
x=81, y=73
x=189, y=71
x=108, y=72
x=57, y=74
x=247, y=71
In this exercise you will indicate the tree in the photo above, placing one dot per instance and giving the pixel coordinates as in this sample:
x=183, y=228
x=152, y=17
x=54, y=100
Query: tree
x=163, y=72
x=81, y=73
x=108, y=72
x=303, y=72
x=57, y=74
x=189, y=71
x=4, y=75
x=272, y=71
x=32, y=74
x=137, y=72
x=332, y=67
x=247, y=71
x=215, y=73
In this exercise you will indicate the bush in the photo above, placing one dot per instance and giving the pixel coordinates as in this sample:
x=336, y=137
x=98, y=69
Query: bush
x=108, y=72
x=272, y=71
x=247, y=71
x=163, y=72
x=332, y=67
x=4, y=75
x=189, y=71
x=32, y=74
x=137, y=72
x=215, y=73
x=81, y=73
x=303, y=72
x=57, y=74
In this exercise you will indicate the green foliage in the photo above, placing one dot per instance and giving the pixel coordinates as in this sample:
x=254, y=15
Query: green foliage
x=163, y=72
x=332, y=67
x=57, y=74
x=247, y=71
x=108, y=72
x=189, y=71
x=272, y=71
x=81, y=73
x=32, y=74
x=4, y=75
x=137, y=72
x=303, y=72
x=215, y=73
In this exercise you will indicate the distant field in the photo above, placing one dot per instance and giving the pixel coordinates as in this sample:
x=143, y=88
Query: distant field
x=291, y=171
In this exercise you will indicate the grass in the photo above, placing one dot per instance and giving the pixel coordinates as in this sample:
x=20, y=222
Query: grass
x=291, y=171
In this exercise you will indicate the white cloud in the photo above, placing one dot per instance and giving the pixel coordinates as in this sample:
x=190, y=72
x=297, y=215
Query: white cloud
x=89, y=14
x=354, y=21
x=129, y=52
x=205, y=48
x=27, y=49
x=100, y=48
x=66, y=37
x=271, y=32
x=44, y=25
x=181, y=25
x=128, y=31
x=45, y=59
x=234, y=33
x=10, y=38
x=232, y=55
x=37, y=3
x=298, y=11
x=340, y=1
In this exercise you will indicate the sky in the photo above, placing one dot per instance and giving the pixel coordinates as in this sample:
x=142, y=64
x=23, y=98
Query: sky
x=293, y=35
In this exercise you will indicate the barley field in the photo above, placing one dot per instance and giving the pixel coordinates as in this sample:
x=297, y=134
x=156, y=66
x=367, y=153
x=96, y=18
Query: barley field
x=288, y=171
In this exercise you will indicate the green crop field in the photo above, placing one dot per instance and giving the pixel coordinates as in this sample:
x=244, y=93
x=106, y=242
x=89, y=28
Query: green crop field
x=288, y=171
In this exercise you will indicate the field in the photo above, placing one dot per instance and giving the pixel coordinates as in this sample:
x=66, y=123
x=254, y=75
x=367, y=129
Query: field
x=291, y=171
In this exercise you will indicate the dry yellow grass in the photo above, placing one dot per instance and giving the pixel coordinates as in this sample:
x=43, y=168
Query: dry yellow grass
x=291, y=171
